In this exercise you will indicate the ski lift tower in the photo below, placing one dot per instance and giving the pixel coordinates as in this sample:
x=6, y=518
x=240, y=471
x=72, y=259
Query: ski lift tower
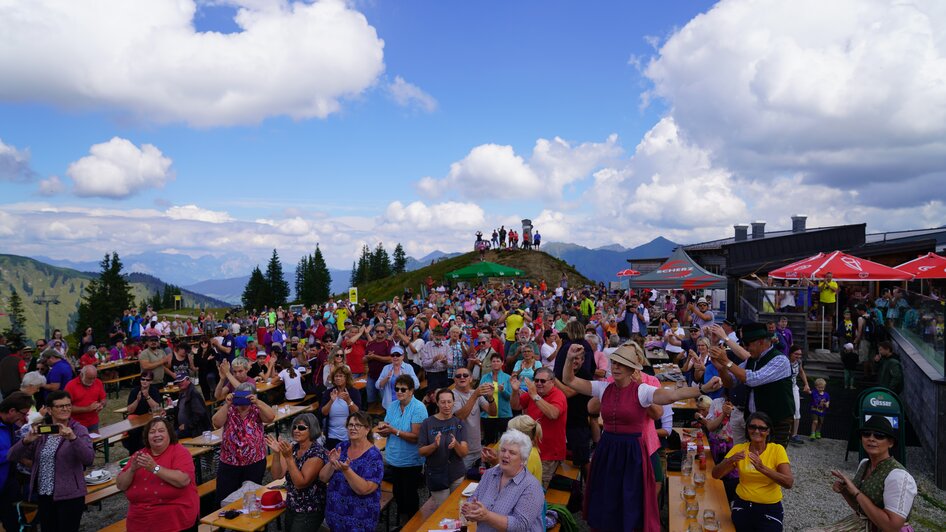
x=46, y=300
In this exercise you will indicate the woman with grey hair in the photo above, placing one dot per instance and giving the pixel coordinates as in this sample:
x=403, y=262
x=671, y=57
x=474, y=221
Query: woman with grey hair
x=31, y=384
x=300, y=463
x=243, y=417
x=508, y=496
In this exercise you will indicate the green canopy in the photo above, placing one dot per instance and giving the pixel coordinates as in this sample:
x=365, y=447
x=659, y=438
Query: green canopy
x=485, y=269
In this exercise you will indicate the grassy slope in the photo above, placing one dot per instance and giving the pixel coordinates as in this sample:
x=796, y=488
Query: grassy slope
x=32, y=278
x=536, y=264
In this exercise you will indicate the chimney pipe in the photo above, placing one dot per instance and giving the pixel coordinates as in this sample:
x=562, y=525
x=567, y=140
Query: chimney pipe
x=742, y=232
x=798, y=223
x=758, y=229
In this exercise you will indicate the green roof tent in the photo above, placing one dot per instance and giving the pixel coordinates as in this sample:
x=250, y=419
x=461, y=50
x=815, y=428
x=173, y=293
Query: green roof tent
x=484, y=269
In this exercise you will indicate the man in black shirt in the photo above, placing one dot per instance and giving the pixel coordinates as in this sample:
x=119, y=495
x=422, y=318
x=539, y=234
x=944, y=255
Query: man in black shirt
x=577, y=426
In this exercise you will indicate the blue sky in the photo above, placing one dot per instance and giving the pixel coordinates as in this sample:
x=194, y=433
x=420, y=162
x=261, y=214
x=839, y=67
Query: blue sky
x=604, y=121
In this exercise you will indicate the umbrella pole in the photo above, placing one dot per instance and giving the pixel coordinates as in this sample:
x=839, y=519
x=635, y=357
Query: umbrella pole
x=822, y=326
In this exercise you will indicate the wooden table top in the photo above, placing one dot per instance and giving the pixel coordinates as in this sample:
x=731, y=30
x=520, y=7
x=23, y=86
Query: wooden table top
x=450, y=509
x=199, y=441
x=116, y=363
x=711, y=497
x=688, y=404
x=124, y=425
x=245, y=523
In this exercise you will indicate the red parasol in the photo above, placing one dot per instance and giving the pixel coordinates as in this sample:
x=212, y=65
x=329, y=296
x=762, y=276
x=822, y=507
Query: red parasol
x=628, y=273
x=929, y=266
x=844, y=267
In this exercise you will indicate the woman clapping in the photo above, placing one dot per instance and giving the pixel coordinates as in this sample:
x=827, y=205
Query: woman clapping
x=353, y=474
x=159, y=483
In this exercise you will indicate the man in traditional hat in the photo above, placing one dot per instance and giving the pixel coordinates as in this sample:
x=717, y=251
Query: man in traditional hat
x=767, y=373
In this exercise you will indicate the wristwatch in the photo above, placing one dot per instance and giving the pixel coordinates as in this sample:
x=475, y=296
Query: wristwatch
x=729, y=364
x=156, y=469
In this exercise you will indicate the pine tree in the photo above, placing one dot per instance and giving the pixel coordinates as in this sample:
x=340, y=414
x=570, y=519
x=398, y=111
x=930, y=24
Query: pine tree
x=105, y=298
x=16, y=333
x=380, y=263
x=323, y=278
x=364, y=267
x=353, y=279
x=278, y=287
x=302, y=279
x=256, y=292
x=400, y=259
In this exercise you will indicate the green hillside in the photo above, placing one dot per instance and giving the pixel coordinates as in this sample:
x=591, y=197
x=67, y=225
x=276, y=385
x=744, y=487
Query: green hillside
x=537, y=265
x=32, y=278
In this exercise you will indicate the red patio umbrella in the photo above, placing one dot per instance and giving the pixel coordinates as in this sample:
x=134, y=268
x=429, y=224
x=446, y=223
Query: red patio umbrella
x=628, y=273
x=929, y=266
x=844, y=267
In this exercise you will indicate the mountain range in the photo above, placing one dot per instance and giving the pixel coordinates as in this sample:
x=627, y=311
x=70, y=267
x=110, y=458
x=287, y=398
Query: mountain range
x=32, y=279
x=225, y=278
x=603, y=263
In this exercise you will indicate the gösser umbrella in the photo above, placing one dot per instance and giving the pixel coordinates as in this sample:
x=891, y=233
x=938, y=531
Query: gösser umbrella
x=842, y=266
x=929, y=266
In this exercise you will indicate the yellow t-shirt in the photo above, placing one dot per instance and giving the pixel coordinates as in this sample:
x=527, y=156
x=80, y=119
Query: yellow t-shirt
x=340, y=316
x=534, y=465
x=753, y=485
x=514, y=322
x=829, y=292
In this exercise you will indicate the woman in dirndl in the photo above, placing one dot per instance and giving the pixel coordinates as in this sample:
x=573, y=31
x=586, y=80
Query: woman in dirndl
x=625, y=501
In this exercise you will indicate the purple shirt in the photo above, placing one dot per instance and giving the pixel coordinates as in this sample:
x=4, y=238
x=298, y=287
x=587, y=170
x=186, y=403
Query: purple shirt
x=521, y=500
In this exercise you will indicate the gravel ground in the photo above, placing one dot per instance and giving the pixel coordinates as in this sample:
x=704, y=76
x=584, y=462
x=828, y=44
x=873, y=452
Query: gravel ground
x=810, y=503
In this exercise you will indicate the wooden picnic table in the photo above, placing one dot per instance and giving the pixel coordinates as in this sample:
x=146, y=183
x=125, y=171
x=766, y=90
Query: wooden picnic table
x=200, y=441
x=687, y=404
x=450, y=509
x=712, y=496
x=245, y=523
x=116, y=429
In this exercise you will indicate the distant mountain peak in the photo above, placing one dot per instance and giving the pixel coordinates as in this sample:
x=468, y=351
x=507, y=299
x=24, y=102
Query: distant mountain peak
x=612, y=247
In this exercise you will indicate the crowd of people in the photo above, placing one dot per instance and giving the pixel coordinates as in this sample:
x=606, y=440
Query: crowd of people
x=513, y=377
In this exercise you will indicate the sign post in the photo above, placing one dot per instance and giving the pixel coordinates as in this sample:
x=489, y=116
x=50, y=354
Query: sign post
x=353, y=296
x=879, y=401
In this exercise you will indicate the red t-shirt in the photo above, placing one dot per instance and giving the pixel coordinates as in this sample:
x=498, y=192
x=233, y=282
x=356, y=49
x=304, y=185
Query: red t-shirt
x=83, y=395
x=156, y=506
x=356, y=358
x=251, y=354
x=132, y=351
x=87, y=359
x=552, y=446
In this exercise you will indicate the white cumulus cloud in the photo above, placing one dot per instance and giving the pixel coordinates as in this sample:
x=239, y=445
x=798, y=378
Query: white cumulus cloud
x=118, y=169
x=145, y=59
x=410, y=95
x=15, y=163
x=850, y=94
x=51, y=186
x=496, y=171
x=193, y=212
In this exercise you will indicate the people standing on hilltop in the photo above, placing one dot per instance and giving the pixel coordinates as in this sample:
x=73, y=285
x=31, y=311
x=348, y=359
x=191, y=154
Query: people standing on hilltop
x=495, y=239
x=502, y=236
x=536, y=240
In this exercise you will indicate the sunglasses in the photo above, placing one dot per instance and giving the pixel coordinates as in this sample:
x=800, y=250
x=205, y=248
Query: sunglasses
x=540, y=381
x=356, y=426
x=301, y=428
x=758, y=428
x=872, y=434
x=402, y=389
x=462, y=376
